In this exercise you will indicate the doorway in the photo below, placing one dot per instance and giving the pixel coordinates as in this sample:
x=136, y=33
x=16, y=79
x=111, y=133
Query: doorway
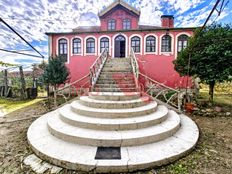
x=120, y=46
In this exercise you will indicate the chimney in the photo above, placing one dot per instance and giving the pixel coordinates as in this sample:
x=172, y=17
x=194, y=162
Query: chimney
x=167, y=21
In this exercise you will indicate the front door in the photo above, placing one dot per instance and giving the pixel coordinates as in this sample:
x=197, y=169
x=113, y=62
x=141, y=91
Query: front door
x=120, y=46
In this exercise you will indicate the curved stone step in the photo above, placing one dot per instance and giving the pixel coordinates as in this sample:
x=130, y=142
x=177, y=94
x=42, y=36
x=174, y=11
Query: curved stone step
x=115, y=96
x=109, y=104
x=79, y=157
x=102, y=138
x=72, y=118
x=116, y=113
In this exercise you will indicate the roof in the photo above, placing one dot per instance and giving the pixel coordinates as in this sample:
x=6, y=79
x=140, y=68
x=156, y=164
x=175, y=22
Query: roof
x=144, y=27
x=116, y=3
x=87, y=29
x=123, y=31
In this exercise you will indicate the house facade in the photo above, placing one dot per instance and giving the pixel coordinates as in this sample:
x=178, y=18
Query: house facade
x=155, y=47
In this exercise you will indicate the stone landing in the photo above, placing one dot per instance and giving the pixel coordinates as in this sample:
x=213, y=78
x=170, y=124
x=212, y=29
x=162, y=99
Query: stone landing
x=140, y=132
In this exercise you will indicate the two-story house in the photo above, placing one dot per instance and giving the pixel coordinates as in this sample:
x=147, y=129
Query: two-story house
x=119, y=32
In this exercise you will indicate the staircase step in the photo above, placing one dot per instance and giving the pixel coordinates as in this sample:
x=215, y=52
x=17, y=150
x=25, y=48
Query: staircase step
x=115, y=96
x=81, y=157
x=74, y=119
x=117, y=85
x=116, y=71
x=113, y=113
x=115, y=81
x=115, y=68
x=115, y=89
x=101, y=138
x=108, y=104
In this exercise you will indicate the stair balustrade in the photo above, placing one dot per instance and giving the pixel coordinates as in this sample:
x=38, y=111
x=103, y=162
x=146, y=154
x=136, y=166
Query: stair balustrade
x=76, y=88
x=135, y=67
x=97, y=66
x=160, y=91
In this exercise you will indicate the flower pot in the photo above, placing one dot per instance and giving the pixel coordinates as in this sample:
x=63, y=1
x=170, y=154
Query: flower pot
x=189, y=107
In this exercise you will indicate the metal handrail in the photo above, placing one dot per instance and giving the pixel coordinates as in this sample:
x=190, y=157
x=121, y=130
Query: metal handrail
x=97, y=66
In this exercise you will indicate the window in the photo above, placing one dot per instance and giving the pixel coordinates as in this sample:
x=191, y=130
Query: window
x=135, y=44
x=104, y=43
x=126, y=24
x=90, y=45
x=182, y=42
x=111, y=24
x=166, y=43
x=63, y=48
x=76, y=46
x=150, y=44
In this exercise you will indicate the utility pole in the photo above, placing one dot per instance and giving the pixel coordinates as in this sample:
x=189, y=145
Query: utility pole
x=5, y=83
x=23, y=83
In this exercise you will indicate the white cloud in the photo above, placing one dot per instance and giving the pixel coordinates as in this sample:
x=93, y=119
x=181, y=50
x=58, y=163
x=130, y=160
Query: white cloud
x=33, y=18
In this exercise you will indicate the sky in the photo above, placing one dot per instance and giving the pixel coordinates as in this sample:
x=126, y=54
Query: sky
x=33, y=18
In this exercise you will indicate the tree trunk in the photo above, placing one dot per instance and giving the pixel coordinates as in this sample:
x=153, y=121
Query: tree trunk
x=211, y=90
x=55, y=103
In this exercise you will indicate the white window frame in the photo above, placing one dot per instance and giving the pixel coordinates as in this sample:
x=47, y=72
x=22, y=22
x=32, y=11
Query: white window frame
x=145, y=43
x=82, y=44
x=172, y=46
x=141, y=40
x=99, y=44
x=57, y=47
x=96, y=46
x=185, y=33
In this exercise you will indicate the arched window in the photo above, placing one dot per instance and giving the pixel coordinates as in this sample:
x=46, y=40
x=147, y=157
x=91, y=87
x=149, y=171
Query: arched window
x=166, y=45
x=111, y=24
x=126, y=24
x=63, y=48
x=135, y=44
x=182, y=42
x=104, y=43
x=150, y=44
x=76, y=46
x=90, y=45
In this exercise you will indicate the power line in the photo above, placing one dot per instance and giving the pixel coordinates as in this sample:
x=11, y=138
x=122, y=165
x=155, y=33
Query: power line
x=214, y=7
x=16, y=52
x=28, y=19
x=1, y=20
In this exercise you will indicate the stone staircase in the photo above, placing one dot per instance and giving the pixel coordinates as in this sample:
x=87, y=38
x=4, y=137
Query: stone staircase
x=111, y=130
x=116, y=76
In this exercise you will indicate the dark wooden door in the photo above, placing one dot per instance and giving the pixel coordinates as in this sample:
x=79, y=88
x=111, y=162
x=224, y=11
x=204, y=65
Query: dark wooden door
x=120, y=46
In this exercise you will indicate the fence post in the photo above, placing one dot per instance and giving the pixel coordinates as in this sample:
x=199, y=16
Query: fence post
x=23, y=83
x=5, y=83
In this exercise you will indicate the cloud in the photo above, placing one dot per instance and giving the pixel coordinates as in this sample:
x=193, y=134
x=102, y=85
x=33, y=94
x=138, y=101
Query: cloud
x=33, y=19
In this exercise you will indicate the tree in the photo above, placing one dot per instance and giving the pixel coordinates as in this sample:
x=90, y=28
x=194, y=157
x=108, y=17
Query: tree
x=55, y=73
x=210, y=54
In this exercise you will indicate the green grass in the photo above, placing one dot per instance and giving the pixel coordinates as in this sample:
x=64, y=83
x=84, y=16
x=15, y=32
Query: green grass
x=222, y=93
x=9, y=105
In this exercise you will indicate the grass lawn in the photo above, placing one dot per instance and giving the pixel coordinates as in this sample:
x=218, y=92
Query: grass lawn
x=9, y=105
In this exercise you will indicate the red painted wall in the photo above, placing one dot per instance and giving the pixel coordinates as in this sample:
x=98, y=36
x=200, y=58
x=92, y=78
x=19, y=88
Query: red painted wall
x=119, y=15
x=158, y=65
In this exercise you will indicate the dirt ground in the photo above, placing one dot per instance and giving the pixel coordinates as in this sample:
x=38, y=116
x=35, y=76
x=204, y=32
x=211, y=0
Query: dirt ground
x=213, y=154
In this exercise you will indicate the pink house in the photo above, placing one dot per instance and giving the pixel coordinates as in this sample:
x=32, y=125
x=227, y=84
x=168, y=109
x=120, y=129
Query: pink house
x=155, y=47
